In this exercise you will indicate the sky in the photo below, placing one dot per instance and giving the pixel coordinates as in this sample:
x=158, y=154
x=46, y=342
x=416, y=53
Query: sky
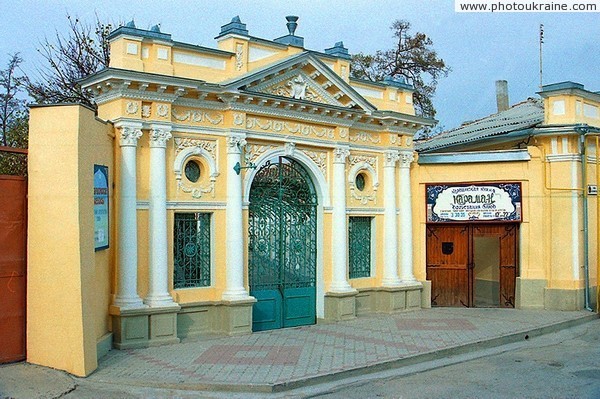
x=480, y=48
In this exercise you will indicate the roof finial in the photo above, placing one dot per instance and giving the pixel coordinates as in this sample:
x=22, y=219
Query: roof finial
x=292, y=24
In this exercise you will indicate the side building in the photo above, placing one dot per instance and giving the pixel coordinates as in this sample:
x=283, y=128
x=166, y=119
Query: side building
x=508, y=205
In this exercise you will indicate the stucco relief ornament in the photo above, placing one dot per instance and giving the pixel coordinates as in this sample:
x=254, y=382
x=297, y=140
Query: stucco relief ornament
x=239, y=54
x=132, y=107
x=146, y=111
x=298, y=85
x=159, y=137
x=162, y=110
x=129, y=136
x=289, y=149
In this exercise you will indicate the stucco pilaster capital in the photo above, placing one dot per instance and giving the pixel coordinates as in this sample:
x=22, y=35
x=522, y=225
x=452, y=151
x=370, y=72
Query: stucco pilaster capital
x=340, y=154
x=390, y=158
x=406, y=158
x=129, y=134
x=159, y=135
x=235, y=144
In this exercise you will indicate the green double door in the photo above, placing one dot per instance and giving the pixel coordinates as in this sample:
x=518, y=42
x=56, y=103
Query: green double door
x=282, y=249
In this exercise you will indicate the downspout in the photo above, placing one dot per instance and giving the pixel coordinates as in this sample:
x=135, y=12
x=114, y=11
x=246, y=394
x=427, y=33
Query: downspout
x=586, y=259
x=597, y=224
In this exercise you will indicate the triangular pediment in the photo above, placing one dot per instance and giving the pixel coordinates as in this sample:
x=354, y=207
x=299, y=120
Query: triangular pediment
x=302, y=77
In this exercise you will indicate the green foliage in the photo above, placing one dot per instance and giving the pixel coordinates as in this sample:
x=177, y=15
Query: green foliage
x=413, y=58
x=17, y=137
x=11, y=106
x=82, y=51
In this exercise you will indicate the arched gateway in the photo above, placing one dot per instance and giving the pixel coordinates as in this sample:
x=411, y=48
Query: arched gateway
x=282, y=252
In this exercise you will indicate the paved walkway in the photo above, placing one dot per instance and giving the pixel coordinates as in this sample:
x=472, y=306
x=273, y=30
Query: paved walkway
x=284, y=359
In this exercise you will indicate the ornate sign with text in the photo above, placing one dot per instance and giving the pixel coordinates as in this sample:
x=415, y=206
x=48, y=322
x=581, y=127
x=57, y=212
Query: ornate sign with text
x=476, y=202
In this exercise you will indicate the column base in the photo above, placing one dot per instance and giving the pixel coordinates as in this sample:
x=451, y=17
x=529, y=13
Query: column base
x=236, y=295
x=129, y=302
x=160, y=301
x=340, y=305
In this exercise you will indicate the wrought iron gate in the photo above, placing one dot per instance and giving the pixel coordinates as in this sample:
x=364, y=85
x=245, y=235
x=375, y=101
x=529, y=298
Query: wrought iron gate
x=282, y=249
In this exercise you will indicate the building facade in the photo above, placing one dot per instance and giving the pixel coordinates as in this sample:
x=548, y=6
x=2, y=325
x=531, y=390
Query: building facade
x=256, y=186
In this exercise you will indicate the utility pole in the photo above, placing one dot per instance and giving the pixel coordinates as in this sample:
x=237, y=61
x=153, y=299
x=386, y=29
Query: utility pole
x=541, y=43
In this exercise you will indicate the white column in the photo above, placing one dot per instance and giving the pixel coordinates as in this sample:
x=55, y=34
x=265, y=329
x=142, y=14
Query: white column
x=158, y=290
x=406, y=242
x=127, y=296
x=339, y=233
x=390, y=231
x=235, y=289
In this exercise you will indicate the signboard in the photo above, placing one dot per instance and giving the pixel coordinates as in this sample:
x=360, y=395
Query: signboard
x=475, y=202
x=100, y=207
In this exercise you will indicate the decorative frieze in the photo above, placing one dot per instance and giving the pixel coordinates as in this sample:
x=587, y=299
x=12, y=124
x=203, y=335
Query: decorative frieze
x=198, y=116
x=278, y=126
x=210, y=146
x=365, y=137
x=363, y=158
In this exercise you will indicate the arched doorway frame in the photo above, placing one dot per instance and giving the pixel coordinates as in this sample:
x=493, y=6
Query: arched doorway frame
x=324, y=203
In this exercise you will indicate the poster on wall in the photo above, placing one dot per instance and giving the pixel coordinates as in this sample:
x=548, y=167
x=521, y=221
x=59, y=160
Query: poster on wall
x=100, y=207
x=473, y=202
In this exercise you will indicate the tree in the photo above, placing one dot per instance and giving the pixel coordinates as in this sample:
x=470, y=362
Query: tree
x=81, y=52
x=413, y=59
x=13, y=118
x=11, y=106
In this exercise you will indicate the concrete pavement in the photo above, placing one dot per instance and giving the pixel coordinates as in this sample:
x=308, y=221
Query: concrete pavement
x=281, y=360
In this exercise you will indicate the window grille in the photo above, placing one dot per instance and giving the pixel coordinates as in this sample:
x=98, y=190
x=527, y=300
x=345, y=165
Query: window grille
x=192, y=250
x=359, y=237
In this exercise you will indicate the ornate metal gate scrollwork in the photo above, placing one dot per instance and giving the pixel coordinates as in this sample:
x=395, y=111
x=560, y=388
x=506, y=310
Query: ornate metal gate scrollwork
x=282, y=245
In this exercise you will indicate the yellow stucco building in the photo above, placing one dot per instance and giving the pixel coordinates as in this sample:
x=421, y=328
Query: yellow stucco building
x=256, y=185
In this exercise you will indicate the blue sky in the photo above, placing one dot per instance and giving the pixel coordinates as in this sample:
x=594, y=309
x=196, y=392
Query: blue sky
x=480, y=48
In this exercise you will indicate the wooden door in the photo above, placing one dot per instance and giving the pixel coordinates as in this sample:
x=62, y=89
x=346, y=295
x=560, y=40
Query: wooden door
x=448, y=256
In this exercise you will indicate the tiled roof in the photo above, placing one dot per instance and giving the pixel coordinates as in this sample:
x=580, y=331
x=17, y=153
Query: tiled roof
x=521, y=116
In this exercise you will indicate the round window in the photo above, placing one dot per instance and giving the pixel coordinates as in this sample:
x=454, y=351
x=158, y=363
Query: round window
x=360, y=181
x=192, y=171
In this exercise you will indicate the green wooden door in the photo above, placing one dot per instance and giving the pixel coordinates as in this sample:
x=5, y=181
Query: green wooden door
x=282, y=249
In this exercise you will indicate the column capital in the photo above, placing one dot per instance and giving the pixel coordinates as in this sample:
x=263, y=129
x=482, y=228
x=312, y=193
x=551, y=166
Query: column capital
x=406, y=158
x=390, y=158
x=129, y=134
x=235, y=144
x=159, y=135
x=340, y=154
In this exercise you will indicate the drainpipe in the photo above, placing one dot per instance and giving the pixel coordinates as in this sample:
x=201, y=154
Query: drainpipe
x=583, y=130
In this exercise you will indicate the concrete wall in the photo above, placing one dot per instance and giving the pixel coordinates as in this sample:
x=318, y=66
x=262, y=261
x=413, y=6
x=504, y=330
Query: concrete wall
x=68, y=283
